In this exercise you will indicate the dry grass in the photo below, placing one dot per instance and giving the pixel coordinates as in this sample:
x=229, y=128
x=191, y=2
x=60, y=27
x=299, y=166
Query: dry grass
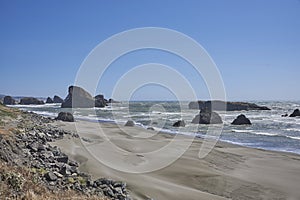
x=21, y=183
x=8, y=112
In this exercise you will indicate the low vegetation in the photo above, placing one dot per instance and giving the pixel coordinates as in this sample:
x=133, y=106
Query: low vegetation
x=21, y=182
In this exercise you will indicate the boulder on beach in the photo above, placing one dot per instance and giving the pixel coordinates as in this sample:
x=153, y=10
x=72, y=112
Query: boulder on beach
x=241, y=120
x=130, y=123
x=57, y=99
x=296, y=113
x=100, y=101
x=65, y=116
x=8, y=100
x=222, y=105
x=151, y=129
x=78, y=98
x=207, y=117
x=31, y=101
x=179, y=123
x=49, y=100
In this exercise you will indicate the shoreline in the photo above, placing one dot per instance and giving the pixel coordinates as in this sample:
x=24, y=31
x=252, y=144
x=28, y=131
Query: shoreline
x=167, y=131
x=229, y=171
x=255, y=136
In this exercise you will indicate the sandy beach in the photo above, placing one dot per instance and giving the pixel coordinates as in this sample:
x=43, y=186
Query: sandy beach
x=227, y=172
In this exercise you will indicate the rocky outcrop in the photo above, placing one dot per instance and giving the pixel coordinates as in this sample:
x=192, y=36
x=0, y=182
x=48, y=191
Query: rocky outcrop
x=49, y=100
x=130, y=123
x=221, y=105
x=31, y=100
x=65, y=116
x=49, y=165
x=78, y=98
x=8, y=100
x=113, y=101
x=241, y=120
x=179, y=123
x=296, y=113
x=100, y=101
x=57, y=99
x=207, y=117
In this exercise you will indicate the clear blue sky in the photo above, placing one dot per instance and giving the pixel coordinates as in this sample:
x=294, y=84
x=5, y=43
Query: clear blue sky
x=255, y=43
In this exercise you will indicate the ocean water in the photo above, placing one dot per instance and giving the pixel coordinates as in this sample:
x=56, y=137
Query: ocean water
x=268, y=130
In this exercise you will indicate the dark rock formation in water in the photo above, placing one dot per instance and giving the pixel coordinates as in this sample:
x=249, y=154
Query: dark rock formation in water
x=100, y=101
x=130, y=123
x=65, y=116
x=31, y=101
x=221, y=105
x=49, y=100
x=179, y=123
x=8, y=100
x=113, y=101
x=296, y=113
x=78, y=98
x=207, y=117
x=241, y=120
x=57, y=99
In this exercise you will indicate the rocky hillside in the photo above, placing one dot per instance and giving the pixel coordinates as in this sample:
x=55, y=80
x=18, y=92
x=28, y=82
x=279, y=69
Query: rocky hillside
x=30, y=168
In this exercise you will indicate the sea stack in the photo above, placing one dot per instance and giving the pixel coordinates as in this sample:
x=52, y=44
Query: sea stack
x=78, y=98
x=222, y=105
x=31, y=101
x=49, y=100
x=8, y=100
x=241, y=120
x=57, y=99
x=207, y=117
x=296, y=113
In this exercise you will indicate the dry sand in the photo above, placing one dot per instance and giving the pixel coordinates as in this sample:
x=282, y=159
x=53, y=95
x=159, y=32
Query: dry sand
x=227, y=172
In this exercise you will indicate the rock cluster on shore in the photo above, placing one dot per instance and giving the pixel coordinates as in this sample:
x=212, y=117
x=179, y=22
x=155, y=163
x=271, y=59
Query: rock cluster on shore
x=65, y=116
x=30, y=147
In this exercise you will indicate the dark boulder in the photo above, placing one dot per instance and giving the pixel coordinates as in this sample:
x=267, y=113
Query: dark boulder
x=113, y=101
x=179, y=123
x=57, y=99
x=49, y=100
x=296, y=113
x=50, y=176
x=78, y=98
x=222, y=105
x=130, y=123
x=285, y=115
x=241, y=120
x=151, y=129
x=65, y=116
x=207, y=117
x=30, y=100
x=8, y=100
x=100, y=101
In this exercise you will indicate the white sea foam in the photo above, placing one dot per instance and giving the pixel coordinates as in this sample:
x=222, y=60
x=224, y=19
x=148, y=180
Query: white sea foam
x=242, y=131
x=265, y=133
x=293, y=137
